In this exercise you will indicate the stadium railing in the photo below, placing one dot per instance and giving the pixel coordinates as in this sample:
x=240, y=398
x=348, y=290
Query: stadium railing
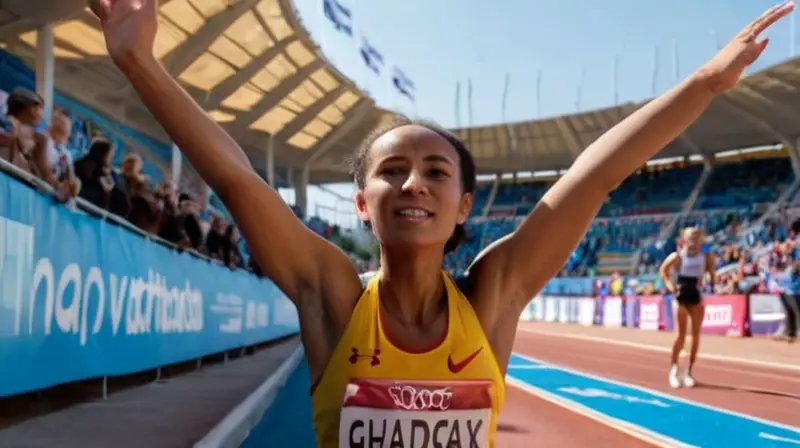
x=83, y=298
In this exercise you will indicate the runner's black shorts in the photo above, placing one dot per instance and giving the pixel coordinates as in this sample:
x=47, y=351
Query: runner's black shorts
x=688, y=292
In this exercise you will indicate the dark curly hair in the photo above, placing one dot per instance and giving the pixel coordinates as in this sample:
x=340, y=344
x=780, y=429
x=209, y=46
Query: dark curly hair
x=360, y=159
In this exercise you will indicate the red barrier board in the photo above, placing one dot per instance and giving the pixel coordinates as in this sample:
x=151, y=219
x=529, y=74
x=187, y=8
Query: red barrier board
x=651, y=313
x=725, y=315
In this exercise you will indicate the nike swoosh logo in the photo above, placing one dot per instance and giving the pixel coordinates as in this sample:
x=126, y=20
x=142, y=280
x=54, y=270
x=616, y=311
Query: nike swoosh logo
x=457, y=367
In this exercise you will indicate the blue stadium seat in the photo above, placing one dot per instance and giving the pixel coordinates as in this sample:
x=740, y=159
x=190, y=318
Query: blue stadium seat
x=743, y=184
x=653, y=192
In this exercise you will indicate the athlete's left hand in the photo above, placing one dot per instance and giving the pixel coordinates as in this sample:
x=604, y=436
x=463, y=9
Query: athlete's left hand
x=723, y=71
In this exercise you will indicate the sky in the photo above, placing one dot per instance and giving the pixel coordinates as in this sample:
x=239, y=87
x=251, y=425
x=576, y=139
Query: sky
x=570, y=45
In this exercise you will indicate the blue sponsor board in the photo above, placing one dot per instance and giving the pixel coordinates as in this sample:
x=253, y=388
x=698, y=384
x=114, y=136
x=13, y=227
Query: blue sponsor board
x=83, y=298
x=651, y=412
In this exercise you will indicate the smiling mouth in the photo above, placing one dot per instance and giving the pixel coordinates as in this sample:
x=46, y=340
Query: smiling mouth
x=415, y=214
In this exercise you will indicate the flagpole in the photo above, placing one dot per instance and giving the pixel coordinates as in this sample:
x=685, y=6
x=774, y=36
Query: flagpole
x=614, y=81
x=717, y=44
x=512, y=140
x=539, y=94
x=389, y=91
x=676, y=71
x=504, y=101
x=579, y=96
x=358, y=43
x=469, y=111
x=792, y=34
x=321, y=26
x=654, y=86
x=458, y=106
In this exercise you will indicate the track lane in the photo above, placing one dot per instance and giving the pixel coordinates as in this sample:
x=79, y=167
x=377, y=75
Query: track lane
x=527, y=420
x=734, y=387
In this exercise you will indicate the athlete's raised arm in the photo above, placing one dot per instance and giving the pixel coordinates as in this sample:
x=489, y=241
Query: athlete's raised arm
x=516, y=267
x=298, y=261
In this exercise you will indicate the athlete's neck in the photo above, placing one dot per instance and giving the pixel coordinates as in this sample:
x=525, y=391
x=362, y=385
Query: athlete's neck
x=411, y=286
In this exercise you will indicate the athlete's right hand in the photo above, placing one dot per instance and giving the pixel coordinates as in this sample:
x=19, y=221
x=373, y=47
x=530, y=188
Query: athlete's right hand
x=670, y=287
x=723, y=71
x=130, y=28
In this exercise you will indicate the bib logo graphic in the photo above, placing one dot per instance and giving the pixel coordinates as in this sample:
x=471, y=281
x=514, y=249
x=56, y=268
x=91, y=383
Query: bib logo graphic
x=412, y=399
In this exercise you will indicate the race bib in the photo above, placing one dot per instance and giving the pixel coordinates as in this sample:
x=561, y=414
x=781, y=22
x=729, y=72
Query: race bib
x=400, y=414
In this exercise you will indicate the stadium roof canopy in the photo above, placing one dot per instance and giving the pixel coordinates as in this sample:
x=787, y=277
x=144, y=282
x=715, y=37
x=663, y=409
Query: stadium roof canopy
x=249, y=63
x=763, y=109
x=254, y=68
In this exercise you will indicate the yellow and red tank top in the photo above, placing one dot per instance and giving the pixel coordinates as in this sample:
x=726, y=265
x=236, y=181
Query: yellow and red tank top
x=374, y=393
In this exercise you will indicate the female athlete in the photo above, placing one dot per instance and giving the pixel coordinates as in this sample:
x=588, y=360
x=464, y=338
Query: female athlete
x=691, y=265
x=412, y=341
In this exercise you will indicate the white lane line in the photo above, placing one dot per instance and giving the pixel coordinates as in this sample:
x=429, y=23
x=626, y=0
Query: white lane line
x=768, y=436
x=763, y=421
x=632, y=430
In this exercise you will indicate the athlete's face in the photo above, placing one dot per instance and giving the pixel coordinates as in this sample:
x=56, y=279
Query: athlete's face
x=693, y=239
x=413, y=193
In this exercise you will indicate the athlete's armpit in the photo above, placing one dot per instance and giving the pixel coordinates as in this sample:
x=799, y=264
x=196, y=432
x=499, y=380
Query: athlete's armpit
x=324, y=314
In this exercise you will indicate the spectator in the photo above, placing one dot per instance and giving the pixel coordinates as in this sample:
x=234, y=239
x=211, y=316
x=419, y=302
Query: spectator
x=231, y=255
x=53, y=160
x=215, y=237
x=190, y=215
x=98, y=185
x=145, y=210
x=790, y=298
x=24, y=115
x=171, y=228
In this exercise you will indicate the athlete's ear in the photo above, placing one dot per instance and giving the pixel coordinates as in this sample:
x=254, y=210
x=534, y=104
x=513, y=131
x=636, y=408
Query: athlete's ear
x=361, y=206
x=464, y=208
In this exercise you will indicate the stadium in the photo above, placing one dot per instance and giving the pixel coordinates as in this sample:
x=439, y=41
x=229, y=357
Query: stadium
x=132, y=312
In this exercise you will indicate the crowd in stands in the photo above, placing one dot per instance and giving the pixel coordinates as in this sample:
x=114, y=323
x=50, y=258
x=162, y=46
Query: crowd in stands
x=44, y=151
x=632, y=220
x=117, y=184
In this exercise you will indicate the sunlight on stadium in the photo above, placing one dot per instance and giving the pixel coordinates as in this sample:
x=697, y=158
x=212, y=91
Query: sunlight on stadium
x=488, y=230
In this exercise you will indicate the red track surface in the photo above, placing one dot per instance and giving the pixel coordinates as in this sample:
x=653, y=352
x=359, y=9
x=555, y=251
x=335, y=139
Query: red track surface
x=526, y=420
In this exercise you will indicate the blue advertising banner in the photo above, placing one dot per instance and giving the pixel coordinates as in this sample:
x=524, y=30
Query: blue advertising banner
x=83, y=298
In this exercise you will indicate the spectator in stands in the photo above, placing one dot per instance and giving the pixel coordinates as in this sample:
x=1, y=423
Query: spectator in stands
x=53, y=159
x=215, y=237
x=171, y=225
x=98, y=185
x=231, y=255
x=25, y=113
x=145, y=210
x=189, y=213
x=790, y=298
x=179, y=223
